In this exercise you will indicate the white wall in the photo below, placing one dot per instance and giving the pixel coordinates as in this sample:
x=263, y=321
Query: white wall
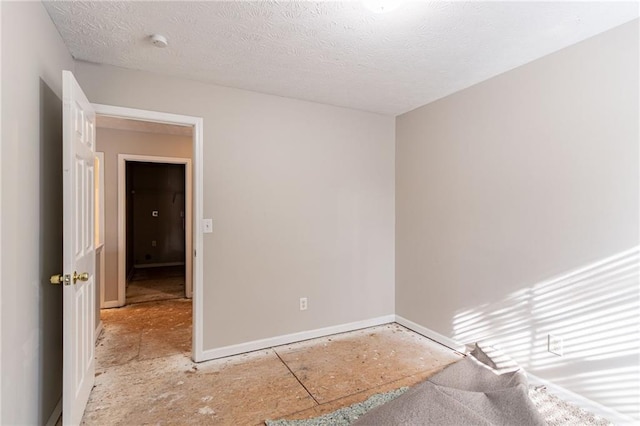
x=504, y=188
x=113, y=142
x=33, y=57
x=302, y=198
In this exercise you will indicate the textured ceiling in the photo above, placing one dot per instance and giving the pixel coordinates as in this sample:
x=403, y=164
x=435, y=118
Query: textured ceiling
x=337, y=53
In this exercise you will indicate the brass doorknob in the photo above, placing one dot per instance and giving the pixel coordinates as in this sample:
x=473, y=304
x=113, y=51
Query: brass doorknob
x=66, y=279
x=82, y=277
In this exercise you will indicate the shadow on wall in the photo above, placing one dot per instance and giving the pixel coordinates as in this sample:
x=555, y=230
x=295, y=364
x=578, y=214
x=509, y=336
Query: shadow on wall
x=50, y=296
x=595, y=309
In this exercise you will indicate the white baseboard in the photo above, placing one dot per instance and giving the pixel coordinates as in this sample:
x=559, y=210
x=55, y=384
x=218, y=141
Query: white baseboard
x=55, y=415
x=293, y=337
x=565, y=394
x=593, y=407
x=433, y=335
x=111, y=304
x=98, y=332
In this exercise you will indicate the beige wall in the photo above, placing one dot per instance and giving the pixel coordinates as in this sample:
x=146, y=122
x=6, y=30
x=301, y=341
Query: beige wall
x=517, y=180
x=33, y=57
x=499, y=187
x=302, y=198
x=113, y=142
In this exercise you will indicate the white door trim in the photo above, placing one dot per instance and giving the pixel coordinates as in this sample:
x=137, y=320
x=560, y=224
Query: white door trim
x=99, y=193
x=198, y=129
x=122, y=218
x=1, y=369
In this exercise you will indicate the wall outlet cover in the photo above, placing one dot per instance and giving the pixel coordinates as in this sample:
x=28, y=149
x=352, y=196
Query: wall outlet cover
x=555, y=344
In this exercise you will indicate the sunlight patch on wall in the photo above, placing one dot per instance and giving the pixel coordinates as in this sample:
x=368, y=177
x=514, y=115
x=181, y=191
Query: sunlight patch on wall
x=596, y=311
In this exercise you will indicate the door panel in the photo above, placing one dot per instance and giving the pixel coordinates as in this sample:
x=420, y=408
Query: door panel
x=78, y=250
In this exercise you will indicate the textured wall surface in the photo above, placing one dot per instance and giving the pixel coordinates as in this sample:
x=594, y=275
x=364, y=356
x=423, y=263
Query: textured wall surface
x=517, y=216
x=302, y=200
x=333, y=52
x=33, y=57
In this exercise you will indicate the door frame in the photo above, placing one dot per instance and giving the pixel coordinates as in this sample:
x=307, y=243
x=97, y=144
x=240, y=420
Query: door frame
x=197, y=158
x=123, y=159
x=1, y=369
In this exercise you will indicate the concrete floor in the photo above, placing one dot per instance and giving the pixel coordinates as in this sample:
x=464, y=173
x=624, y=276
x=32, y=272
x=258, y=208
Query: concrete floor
x=145, y=375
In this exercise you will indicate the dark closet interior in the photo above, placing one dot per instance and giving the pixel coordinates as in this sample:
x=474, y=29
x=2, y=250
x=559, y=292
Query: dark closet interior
x=155, y=225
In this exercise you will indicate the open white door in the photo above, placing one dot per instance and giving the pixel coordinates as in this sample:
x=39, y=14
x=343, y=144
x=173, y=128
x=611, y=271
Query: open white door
x=78, y=155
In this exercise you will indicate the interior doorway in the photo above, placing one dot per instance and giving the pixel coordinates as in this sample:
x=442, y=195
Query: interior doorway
x=127, y=254
x=155, y=229
x=193, y=194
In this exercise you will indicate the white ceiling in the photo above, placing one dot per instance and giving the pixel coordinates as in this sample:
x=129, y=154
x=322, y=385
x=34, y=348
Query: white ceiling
x=117, y=123
x=337, y=53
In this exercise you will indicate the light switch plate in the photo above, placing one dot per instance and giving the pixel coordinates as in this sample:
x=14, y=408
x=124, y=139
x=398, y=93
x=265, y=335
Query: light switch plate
x=207, y=226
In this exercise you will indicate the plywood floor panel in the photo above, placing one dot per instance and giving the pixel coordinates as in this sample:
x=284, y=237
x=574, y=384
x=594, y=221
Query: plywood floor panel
x=346, y=364
x=144, y=373
x=173, y=390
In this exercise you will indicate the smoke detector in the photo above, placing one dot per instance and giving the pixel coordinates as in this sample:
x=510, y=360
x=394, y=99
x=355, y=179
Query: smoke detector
x=382, y=6
x=159, y=40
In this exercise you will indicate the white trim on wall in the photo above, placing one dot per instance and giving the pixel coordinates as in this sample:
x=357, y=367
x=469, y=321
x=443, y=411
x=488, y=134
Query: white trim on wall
x=102, y=275
x=99, y=194
x=198, y=136
x=591, y=406
x=98, y=332
x=55, y=414
x=198, y=251
x=99, y=222
x=567, y=395
x=294, y=337
x=123, y=159
x=443, y=340
x=1, y=215
x=111, y=304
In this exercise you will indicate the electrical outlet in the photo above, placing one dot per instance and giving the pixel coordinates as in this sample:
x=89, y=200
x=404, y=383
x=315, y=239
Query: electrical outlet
x=153, y=243
x=303, y=304
x=555, y=344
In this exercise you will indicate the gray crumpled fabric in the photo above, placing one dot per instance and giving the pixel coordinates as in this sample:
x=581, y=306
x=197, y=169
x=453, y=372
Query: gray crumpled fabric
x=485, y=388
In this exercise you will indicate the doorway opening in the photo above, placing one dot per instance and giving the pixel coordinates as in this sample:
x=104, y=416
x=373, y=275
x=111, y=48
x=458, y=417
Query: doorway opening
x=148, y=227
x=148, y=213
x=154, y=249
x=155, y=231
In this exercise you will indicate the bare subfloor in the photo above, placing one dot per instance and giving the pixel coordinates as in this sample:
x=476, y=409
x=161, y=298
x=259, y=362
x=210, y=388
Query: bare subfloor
x=152, y=284
x=145, y=375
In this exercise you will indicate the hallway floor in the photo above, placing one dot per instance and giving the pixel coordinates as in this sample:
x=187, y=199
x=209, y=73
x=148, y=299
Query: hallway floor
x=144, y=374
x=159, y=283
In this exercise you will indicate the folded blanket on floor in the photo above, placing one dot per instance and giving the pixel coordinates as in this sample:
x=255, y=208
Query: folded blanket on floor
x=484, y=388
